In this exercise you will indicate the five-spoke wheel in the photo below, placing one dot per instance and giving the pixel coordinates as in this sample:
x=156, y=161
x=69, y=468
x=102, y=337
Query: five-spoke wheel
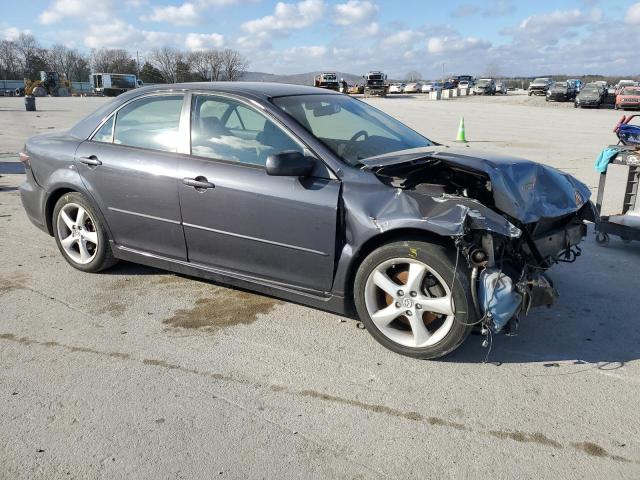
x=413, y=299
x=409, y=302
x=80, y=236
x=77, y=233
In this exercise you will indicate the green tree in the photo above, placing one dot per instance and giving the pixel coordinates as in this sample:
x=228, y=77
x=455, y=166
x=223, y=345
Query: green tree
x=150, y=74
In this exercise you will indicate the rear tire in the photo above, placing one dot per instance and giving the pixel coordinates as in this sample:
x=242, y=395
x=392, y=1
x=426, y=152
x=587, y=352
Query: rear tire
x=80, y=235
x=396, y=319
x=39, y=91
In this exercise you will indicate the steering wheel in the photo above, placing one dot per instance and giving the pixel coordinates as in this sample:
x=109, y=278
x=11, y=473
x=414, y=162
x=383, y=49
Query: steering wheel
x=352, y=141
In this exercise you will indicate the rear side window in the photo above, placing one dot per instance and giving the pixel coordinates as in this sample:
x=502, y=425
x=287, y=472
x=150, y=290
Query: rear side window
x=151, y=123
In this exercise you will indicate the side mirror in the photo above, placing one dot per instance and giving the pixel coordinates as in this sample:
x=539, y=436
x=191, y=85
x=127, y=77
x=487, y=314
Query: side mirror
x=290, y=164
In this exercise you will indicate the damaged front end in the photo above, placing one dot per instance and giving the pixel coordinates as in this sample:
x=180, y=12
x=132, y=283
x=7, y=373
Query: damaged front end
x=510, y=219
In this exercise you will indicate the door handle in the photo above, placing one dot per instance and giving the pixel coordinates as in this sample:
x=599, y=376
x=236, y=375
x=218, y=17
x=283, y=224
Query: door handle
x=199, y=183
x=91, y=160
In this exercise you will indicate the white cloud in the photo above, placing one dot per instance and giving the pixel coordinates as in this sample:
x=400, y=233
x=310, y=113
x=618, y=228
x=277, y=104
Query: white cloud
x=633, y=14
x=559, y=18
x=402, y=38
x=305, y=51
x=185, y=14
x=287, y=16
x=354, y=12
x=438, y=45
x=201, y=41
x=119, y=34
x=61, y=9
x=12, y=33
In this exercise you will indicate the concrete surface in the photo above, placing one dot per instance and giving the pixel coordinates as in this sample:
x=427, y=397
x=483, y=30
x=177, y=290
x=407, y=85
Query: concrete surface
x=137, y=373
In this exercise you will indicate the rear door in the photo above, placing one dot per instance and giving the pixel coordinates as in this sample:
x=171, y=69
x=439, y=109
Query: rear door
x=130, y=166
x=281, y=229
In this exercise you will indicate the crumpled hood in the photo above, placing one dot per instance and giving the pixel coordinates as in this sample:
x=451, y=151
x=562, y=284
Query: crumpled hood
x=525, y=190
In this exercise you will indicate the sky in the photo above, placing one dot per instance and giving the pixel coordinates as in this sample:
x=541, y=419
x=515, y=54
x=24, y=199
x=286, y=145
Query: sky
x=501, y=37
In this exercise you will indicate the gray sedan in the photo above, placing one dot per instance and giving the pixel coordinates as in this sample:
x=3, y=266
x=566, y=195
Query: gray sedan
x=311, y=196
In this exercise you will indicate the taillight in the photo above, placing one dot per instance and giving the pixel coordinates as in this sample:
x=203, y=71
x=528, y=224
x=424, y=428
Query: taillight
x=24, y=158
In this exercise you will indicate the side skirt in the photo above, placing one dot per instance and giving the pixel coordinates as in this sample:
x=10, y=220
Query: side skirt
x=322, y=301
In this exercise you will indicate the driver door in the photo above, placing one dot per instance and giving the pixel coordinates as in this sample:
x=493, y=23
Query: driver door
x=281, y=229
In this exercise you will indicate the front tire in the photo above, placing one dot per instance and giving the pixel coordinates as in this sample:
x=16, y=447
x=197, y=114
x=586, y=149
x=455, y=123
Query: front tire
x=405, y=297
x=80, y=235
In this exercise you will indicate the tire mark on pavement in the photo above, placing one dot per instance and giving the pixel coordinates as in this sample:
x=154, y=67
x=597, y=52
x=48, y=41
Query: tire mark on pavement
x=587, y=447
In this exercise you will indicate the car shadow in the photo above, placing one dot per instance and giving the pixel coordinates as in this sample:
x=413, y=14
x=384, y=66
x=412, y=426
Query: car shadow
x=595, y=320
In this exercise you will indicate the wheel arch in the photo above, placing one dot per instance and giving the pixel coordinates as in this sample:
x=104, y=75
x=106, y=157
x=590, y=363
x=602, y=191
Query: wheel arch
x=379, y=240
x=55, y=195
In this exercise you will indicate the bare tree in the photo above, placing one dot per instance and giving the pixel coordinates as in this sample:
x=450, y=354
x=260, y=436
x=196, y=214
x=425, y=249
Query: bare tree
x=9, y=61
x=413, y=76
x=233, y=64
x=167, y=60
x=27, y=48
x=492, y=71
x=207, y=64
x=112, y=60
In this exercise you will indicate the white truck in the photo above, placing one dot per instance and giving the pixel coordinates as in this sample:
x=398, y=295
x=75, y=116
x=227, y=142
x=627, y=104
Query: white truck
x=113, y=84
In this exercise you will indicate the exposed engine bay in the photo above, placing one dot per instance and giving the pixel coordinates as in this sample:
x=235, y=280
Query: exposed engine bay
x=545, y=211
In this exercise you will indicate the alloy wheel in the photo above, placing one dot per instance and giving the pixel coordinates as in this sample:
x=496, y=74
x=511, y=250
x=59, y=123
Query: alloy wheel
x=409, y=302
x=77, y=233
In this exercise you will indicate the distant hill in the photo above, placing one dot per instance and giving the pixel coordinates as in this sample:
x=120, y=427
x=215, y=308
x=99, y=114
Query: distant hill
x=295, y=79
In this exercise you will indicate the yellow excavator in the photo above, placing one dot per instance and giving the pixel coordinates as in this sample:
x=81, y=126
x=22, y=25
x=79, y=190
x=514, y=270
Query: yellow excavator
x=50, y=83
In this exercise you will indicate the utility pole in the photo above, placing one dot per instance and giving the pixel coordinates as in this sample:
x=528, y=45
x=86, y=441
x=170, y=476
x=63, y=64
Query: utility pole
x=138, y=62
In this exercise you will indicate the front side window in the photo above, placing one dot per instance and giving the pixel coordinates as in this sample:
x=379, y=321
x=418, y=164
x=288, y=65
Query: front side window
x=105, y=133
x=225, y=129
x=352, y=129
x=151, y=122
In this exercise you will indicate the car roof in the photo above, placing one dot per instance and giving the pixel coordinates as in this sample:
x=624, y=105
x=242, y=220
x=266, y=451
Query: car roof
x=260, y=89
x=253, y=90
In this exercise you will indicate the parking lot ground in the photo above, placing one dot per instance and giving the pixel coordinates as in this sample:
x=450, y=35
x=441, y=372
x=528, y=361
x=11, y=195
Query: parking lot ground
x=140, y=373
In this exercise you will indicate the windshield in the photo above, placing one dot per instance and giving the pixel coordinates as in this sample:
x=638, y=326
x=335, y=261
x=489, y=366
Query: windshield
x=631, y=91
x=590, y=90
x=541, y=80
x=330, y=78
x=559, y=86
x=352, y=129
x=484, y=83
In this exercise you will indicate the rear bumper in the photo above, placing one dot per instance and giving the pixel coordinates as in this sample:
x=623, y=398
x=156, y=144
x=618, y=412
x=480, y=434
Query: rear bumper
x=32, y=197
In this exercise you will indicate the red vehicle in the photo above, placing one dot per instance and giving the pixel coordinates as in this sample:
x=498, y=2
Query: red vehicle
x=628, y=97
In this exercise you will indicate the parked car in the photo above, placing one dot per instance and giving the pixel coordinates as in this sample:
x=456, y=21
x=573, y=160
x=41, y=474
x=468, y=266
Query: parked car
x=624, y=83
x=312, y=196
x=629, y=97
x=485, y=86
x=561, y=92
x=465, y=84
x=501, y=88
x=591, y=95
x=577, y=84
x=396, y=88
x=540, y=86
x=413, y=88
x=431, y=87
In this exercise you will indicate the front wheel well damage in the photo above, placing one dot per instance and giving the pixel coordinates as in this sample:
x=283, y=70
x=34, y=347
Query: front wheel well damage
x=391, y=236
